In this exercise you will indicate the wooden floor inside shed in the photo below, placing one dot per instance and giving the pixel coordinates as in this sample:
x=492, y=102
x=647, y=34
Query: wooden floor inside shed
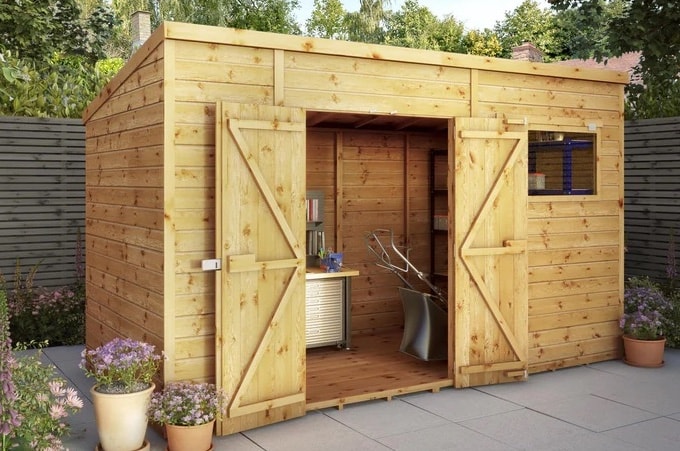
x=373, y=368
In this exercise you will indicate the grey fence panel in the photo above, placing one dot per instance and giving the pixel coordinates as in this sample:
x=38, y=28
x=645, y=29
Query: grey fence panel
x=42, y=197
x=652, y=196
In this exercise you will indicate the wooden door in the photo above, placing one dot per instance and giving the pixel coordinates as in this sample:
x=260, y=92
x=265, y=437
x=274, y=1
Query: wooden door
x=489, y=250
x=260, y=233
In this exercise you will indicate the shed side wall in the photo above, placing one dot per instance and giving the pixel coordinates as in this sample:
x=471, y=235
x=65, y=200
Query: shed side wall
x=124, y=211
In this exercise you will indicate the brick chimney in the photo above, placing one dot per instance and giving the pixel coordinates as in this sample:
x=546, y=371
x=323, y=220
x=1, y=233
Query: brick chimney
x=527, y=52
x=141, y=28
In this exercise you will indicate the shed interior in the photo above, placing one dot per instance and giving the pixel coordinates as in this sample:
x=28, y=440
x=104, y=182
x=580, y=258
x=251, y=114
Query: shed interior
x=374, y=173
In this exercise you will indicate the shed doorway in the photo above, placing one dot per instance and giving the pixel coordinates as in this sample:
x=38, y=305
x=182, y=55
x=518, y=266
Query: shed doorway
x=350, y=164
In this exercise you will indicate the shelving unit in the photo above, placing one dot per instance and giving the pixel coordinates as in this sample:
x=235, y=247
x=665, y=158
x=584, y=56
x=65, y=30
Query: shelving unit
x=438, y=215
x=315, y=231
x=567, y=158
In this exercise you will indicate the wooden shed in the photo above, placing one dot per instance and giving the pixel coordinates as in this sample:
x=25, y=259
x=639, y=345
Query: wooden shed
x=504, y=179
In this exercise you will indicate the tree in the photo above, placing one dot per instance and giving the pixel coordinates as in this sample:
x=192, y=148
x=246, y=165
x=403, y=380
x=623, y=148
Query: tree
x=413, y=26
x=449, y=35
x=37, y=29
x=263, y=15
x=483, y=43
x=527, y=23
x=581, y=36
x=58, y=87
x=48, y=55
x=368, y=24
x=651, y=28
x=327, y=20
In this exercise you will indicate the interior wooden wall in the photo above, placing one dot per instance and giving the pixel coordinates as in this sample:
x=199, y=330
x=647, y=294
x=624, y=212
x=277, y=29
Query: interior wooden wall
x=382, y=181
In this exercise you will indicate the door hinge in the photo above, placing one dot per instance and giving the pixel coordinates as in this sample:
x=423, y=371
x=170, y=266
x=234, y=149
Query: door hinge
x=213, y=264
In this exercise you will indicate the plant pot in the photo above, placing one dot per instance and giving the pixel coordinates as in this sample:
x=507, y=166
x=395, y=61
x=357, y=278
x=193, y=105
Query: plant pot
x=121, y=419
x=145, y=447
x=190, y=438
x=643, y=353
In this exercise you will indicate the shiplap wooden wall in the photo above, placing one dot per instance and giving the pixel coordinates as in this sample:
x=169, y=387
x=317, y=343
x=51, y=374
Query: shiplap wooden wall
x=42, y=196
x=652, y=192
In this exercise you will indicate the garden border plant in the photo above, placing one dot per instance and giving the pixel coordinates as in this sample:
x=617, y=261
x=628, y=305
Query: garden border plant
x=37, y=314
x=33, y=400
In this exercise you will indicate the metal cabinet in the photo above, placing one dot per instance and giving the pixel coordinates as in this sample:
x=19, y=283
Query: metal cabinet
x=327, y=312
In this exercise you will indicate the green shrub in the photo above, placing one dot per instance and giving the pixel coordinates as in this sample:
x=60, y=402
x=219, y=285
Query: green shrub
x=56, y=316
x=672, y=330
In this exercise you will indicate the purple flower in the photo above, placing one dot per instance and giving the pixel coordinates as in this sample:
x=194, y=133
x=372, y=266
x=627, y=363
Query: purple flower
x=187, y=404
x=645, y=309
x=122, y=362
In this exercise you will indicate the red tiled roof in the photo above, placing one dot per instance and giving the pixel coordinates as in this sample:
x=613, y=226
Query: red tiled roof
x=625, y=63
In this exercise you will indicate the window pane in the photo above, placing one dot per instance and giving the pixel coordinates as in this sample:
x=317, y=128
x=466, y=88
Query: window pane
x=561, y=163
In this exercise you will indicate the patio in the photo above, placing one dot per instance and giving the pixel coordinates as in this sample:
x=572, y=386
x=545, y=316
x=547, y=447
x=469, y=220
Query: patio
x=607, y=405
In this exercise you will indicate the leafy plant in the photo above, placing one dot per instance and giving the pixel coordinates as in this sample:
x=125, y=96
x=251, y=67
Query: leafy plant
x=645, y=309
x=33, y=402
x=43, y=402
x=53, y=315
x=186, y=404
x=122, y=365
x=9, y=416
x=61, y=86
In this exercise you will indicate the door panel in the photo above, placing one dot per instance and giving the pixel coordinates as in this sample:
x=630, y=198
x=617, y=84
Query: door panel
x=489, y=209
x=260, y=214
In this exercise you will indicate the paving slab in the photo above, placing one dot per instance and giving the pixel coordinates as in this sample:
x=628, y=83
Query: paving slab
x=524, y=429
x=460, y=405
x=594, y=413
x=602, y=406
x=659, y=434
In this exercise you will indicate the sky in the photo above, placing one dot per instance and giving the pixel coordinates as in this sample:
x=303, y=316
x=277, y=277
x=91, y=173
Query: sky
x=475, y=14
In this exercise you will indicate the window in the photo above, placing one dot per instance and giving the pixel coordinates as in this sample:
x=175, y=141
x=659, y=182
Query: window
x=561, y=163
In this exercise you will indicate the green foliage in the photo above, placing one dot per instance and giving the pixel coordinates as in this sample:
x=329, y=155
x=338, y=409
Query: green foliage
x=485, y=43
x=37, y=29
x=657, y=97
x=47, y=56
x=43, y=402
x=527, y=23
x=413, y=26
x=672, y=331
x=327, y=20
x=368, y=24
x=59, y=87
x=263, y=15
x=649, y=27
x=10, y=418
x=450, y=34
x=580, y=34
x=55, y=316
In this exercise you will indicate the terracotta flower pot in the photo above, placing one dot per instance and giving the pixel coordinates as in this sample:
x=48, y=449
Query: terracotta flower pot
x=190, y=438
x=644, y=353
x=121, y=419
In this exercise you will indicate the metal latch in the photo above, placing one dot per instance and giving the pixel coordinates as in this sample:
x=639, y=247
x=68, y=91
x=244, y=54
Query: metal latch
x=213, y=264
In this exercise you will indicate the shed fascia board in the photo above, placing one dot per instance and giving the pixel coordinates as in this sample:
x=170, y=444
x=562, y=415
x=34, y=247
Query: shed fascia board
x=249, y=38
